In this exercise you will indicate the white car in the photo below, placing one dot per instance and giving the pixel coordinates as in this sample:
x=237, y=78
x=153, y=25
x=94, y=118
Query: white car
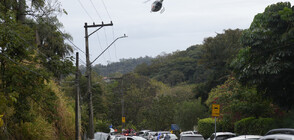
x=149, y=135
x=129, y=138
x=142, y=132
x=191, y=137
x=221, y=135
x=101, y=136
x=160, y=134
x=289, y=131
x=278, y=137
x=246, y=137
x=171, y=137
x=187, y=132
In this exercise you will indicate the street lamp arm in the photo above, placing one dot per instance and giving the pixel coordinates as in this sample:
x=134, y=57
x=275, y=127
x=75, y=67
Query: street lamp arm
x=108, y=47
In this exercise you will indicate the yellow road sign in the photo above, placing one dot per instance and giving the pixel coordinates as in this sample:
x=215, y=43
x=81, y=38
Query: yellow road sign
x=123, y=119
x=1, y=121
x=215, y=110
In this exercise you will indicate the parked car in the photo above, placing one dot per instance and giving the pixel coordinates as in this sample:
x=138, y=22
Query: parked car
x=246, y=137
x=113, y=135
x=186, y=132
x=171, y=137
x=101, y=136
x=289, y=131
x=129, y=138
x=149, y=135
x=160, y=134
x=278, y=137
x=221, y=136
x=142, y=132
x=191, y=137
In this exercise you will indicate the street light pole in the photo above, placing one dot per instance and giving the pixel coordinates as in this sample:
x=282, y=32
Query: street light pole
x=88, y=75
x=89, y=91
x=108, y=47
x=89, y=71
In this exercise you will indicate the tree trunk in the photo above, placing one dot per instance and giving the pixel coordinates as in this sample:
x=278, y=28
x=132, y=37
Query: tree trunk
x=21, y=11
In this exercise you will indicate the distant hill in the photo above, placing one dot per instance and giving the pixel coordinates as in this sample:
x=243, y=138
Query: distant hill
x=122, y=67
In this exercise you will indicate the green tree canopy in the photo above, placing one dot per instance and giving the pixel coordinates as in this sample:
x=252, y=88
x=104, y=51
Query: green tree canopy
x=267, y=58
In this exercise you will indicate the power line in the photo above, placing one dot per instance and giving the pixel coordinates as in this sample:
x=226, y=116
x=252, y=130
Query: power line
x=96, y=10
x=107, y=43
x=106, y=10
x=100, y=46
x=113, y=34
x=23, y=67
x=38, y=49
x=85, y=10
x=114, y=44
x=70, y=41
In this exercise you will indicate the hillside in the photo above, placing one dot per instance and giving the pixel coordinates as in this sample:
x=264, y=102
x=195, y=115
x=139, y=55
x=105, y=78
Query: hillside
x=123, y=66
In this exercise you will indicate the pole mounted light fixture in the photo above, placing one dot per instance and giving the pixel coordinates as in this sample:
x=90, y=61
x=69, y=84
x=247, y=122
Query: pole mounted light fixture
x=124, y=36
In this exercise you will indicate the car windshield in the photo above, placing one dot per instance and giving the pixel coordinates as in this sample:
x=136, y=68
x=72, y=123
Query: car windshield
x=252, y=139
x=192, y=138
x=223, y=137
x=280, y=132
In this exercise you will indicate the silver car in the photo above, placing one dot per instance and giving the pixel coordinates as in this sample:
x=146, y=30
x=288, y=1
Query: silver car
x=191, y=137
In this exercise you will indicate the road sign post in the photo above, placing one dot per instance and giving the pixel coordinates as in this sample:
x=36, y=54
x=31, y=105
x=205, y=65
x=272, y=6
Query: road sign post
x=123, y=119
x=215, y=111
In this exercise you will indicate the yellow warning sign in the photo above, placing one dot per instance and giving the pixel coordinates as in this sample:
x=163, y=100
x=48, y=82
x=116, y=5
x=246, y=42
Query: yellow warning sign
x=123, y=119
x=1, y=121
x=215, y=110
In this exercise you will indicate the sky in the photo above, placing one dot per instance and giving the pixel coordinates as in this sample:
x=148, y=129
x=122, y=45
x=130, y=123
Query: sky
x=183, y=23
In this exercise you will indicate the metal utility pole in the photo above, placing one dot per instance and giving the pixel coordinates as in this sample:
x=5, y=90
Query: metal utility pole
x=77, y=97
x=88, y=74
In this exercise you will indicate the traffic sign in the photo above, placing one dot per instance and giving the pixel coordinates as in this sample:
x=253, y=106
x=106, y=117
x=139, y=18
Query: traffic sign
x=123, y=119
x=215, y=110
x=1, y=121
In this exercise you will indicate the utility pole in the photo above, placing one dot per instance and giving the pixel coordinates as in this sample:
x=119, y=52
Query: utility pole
x=122, y=105
x=88, y=74
x=77, y=98
x=122, y=102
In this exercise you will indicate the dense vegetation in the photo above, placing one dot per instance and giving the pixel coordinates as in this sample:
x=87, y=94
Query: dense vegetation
x=248, y=72
x=124, y=66
x=33, y=56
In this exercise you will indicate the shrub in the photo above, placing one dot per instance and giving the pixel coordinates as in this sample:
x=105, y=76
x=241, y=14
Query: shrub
x=206, y=127
x=254, y=126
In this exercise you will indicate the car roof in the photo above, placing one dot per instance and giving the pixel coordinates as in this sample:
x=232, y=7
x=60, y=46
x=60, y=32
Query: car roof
x=144, y=131
x=243, y=137
x=281, y=131
x=172, y=135
x=224, y=133
x=279, y=136
x=165, y=132
x=191, y=135
x=185, y=132
x=135, y=137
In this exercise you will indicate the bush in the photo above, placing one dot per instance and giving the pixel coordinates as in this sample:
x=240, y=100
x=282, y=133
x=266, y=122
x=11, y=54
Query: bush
x=254, y=126
x=101, y=126
x=206, y=127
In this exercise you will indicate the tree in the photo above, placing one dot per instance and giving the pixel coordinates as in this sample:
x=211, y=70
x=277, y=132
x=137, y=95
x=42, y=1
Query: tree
x=238, y=102
x=217, y=54
x=266, y=61
x=161, y=113
x=54, y=52
x=188, y=113
x=33, y=109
